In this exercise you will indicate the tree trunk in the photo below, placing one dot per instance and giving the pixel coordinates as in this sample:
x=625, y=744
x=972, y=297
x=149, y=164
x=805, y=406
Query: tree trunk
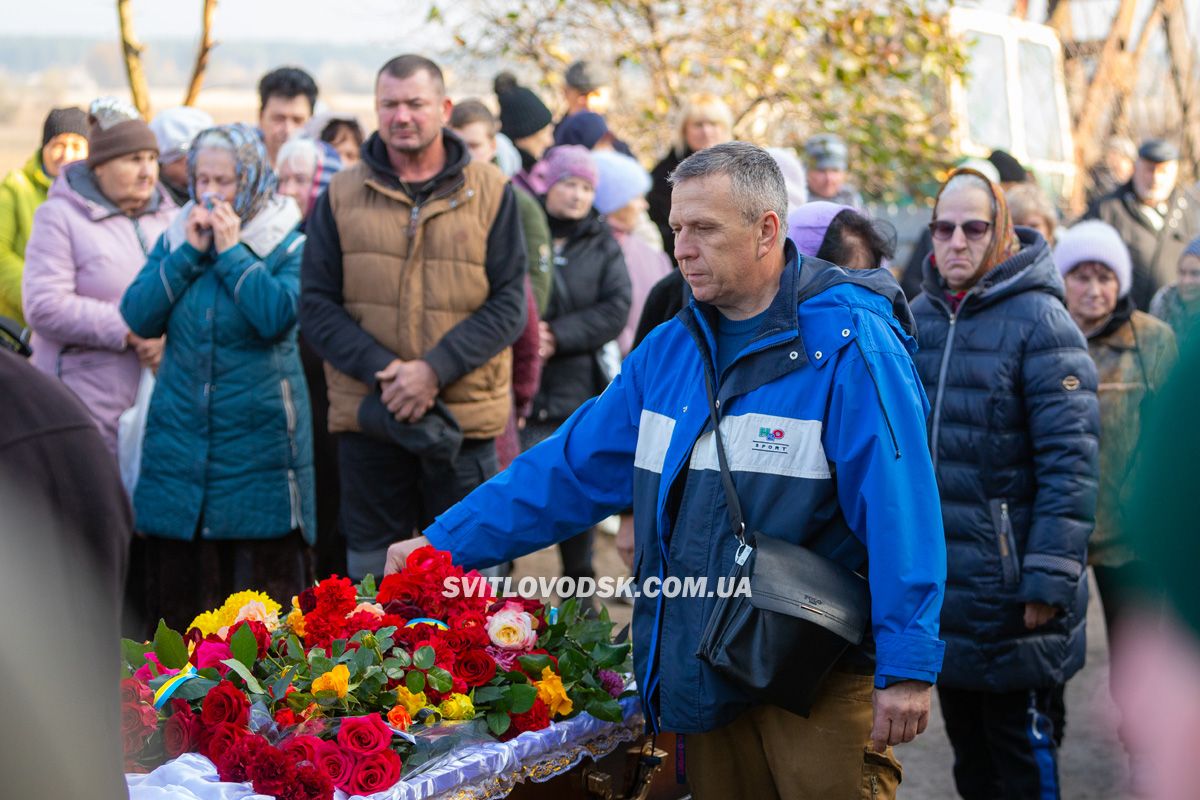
x=132, y=51
x=206, y=46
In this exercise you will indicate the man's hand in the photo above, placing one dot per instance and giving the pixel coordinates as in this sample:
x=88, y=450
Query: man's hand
x=1038, y=614
x=398, y=553
x=901, y=713
x=409, y=388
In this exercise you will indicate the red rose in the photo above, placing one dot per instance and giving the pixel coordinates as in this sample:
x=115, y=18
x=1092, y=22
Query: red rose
x=364, y=735
x=271, y=771
x=262, y=637
x=216, y=740
x=308, y=783
x=286, y=718
x=364, y=621
x=302, y=748
x=134, y=691
x=376, y=773
x=428, y=559
x=475, y=667
x=225, y=703
x=336, y=763
x=181, y=734
x=405, y=589
x=235, y=762
x=535, y=719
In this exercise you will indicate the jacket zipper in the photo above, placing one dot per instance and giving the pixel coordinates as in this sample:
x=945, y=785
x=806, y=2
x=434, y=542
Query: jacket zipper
x=941, y=389
x=289, y=410
x=1004, y=523
x=294, y=497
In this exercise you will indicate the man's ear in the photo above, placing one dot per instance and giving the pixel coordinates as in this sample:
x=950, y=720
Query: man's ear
x=770, y=233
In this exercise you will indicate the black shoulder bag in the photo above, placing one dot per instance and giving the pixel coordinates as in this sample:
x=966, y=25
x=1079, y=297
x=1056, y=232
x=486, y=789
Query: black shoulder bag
x=804, y=611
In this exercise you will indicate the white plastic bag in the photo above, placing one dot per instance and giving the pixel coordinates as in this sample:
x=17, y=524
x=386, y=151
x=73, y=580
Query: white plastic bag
x=131, y=430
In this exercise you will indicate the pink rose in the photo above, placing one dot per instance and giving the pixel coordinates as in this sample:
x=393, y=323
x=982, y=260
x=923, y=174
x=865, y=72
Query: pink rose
x=145, y=674
x=364, y=735
x=211, y=654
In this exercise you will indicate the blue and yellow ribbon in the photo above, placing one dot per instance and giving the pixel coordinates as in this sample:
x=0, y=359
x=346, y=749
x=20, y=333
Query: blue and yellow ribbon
x=174, y=682
x=437, y=623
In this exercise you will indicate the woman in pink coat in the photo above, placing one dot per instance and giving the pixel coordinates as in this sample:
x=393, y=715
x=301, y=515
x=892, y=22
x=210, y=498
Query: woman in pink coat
x=89, y=240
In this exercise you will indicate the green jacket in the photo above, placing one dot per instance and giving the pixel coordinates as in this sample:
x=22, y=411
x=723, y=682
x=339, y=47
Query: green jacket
x=21, y=193
x=539, y=258
x=1133, y=355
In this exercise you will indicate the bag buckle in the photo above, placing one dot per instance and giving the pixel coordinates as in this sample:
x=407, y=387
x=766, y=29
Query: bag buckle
x=743, y=552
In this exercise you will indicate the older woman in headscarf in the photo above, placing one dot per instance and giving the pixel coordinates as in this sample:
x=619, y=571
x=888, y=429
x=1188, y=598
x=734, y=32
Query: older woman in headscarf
x=1014, y=434
x=226, y=489
x=88, y=241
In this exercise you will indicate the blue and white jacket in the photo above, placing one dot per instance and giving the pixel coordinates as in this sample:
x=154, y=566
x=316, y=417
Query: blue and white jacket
x=823, y=416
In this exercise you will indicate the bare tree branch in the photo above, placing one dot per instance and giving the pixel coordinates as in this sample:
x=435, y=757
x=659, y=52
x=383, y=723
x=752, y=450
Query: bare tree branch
x=205, y=47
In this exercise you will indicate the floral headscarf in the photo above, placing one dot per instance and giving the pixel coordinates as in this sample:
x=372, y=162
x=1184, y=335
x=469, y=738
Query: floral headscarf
x=1005, y=243
x=255, y=178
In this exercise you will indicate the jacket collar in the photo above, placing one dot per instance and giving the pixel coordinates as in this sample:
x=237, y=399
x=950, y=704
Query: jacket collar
x=35, y=171
x=457, y=157
x=1031, y=269
x=1118, y=331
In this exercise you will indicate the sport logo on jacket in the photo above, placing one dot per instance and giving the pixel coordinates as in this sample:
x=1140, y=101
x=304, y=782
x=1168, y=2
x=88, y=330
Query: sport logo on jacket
x=768, y=440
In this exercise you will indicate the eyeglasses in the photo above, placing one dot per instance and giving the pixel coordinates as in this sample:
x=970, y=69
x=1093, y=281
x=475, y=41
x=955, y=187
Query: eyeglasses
x=973, y=229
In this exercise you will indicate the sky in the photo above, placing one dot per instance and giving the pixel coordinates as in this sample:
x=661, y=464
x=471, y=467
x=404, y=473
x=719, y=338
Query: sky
x=337, y=21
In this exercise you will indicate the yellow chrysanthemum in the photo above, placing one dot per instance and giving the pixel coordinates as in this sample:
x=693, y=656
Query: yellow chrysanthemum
x=554, y=695
x=235, y=602
x=209, y=622
x=457, y=706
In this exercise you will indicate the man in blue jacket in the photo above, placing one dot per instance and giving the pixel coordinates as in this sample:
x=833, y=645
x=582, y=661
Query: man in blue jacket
x=823, y=420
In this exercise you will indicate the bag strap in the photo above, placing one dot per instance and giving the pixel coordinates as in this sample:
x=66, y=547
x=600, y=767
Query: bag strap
x=731, y=498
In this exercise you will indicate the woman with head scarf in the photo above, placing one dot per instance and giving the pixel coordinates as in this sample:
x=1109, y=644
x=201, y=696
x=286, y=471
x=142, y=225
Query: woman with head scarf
x=89, y=240
x=225, y=497
x=1014, y=433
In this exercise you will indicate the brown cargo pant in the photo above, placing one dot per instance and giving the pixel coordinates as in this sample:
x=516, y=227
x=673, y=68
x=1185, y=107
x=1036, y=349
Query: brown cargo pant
x=771, y=754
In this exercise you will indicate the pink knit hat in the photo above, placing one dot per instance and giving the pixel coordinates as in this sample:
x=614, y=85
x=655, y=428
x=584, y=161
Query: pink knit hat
x=567, y=161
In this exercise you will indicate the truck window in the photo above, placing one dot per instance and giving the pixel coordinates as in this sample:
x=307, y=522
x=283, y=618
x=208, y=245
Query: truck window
x=1039, y=101
x=987, y=93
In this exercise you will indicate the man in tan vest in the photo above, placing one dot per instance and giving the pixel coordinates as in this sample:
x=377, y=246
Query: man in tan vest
x=412, y=291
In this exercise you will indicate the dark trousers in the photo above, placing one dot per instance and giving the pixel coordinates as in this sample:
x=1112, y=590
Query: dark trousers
x=389, y=494
x=576, y=552
x=1005, y=744
x=179, y=579
x=330, y=547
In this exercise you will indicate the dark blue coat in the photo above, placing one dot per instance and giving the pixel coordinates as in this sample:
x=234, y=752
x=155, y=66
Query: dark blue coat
x=228, y=445
x=1014, y=435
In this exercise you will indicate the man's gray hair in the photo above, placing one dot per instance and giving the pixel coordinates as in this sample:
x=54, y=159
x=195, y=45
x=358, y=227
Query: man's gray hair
x=756, y=180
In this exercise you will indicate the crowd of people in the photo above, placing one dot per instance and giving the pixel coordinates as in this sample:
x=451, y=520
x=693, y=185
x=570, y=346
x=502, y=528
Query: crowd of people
x=349, y=334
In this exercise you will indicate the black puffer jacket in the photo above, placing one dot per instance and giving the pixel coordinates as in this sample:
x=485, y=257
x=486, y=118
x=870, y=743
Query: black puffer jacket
x=589, y=305
x=1014, y=434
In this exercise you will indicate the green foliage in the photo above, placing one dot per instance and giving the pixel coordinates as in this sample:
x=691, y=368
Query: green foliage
x=873, y=71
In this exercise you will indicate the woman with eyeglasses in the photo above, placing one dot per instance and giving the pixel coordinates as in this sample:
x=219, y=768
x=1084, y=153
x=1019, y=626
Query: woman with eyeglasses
x=1014, y=432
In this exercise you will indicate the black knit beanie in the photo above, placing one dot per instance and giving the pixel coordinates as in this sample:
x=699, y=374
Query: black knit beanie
x=64, y=120
x=522, y=113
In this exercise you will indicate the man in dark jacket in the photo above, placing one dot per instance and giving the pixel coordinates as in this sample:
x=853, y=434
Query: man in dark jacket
x=413, y=288
x=1014, y=437
x=1155, y=217
x=64, y=540
x=822, y=414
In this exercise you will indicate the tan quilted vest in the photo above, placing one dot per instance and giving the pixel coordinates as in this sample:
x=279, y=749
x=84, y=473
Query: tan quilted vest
x=407, y=281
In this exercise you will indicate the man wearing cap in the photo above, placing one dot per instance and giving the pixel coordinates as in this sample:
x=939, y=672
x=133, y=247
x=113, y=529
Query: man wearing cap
x=412, y=290
x=1155, y=217
x=827, y=165
x=64, y=139
x=175, y=128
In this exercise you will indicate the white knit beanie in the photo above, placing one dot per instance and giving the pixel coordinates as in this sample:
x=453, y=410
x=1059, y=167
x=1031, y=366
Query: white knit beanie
x=1093, y=240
